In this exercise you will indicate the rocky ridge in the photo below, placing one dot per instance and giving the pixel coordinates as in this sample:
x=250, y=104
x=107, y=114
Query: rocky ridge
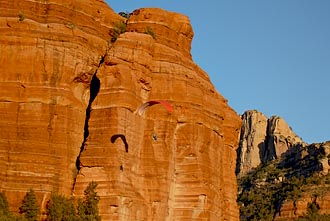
x=309, y=163
x=286, y=188
x=280, y=176
x=68, y=87
x=262, y=140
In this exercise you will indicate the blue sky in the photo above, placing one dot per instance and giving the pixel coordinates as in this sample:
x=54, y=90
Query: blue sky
x=269, y=55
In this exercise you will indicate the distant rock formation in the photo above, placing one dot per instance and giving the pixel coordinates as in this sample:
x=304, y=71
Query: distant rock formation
x=69, y=95
x=292, y=176
x=263, y=139
x=284, y=188
x=319, y=155
x=250, y=152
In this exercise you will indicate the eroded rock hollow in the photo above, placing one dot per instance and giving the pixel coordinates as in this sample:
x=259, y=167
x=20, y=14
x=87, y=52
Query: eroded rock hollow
x=69, y=99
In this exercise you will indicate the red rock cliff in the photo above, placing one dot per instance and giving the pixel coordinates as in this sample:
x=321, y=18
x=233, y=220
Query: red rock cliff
x=67, y=91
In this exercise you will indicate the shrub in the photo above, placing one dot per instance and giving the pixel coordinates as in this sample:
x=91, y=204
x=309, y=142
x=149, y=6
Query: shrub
x=150, y=32
x=21, y=16
x=119, y=28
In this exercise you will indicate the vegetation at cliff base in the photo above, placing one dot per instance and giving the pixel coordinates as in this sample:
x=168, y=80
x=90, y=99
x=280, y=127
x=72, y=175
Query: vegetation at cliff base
x=59, y=207
x=263, y=190
x=88, y=208
x=30, y=208
x=4, y=208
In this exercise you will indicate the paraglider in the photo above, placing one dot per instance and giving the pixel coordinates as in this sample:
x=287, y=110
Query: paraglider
x=154, y=137
x=123, y=138
x=144, y=106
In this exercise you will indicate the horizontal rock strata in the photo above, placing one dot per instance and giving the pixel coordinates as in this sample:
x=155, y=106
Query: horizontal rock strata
x=49, y=51
x=175, y=165
x=69, y=98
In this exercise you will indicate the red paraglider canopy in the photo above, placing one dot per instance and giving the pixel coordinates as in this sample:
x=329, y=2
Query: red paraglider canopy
x=144, y=106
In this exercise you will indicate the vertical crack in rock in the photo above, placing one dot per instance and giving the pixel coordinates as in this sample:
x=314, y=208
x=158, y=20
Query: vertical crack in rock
x=93, y=92
x=267, y=153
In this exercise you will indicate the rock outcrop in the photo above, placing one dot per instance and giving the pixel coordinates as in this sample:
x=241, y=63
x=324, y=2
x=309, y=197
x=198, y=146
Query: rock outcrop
x=263, y=139
x=68, y=87
x=252, y=141
x=291, y=210
x=311, y=160
x=287, y=188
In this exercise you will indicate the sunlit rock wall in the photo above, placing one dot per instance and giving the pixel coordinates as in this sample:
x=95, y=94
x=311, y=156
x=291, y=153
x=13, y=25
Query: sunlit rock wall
x=68, y=90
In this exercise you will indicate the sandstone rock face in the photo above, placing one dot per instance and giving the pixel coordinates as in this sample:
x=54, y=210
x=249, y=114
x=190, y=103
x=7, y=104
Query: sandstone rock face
x=67, y=92
x=291, y=210
x=178, y=165
x=263, y=139
x=325, y=163
x=45, y=74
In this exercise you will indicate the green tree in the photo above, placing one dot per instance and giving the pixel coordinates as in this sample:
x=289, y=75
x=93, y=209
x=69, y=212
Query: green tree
x=81, y=210
x=88, y=208
x=29, y=207
x=60, y=208
x=4, y=208
x=5, y=214
x=124, y=14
